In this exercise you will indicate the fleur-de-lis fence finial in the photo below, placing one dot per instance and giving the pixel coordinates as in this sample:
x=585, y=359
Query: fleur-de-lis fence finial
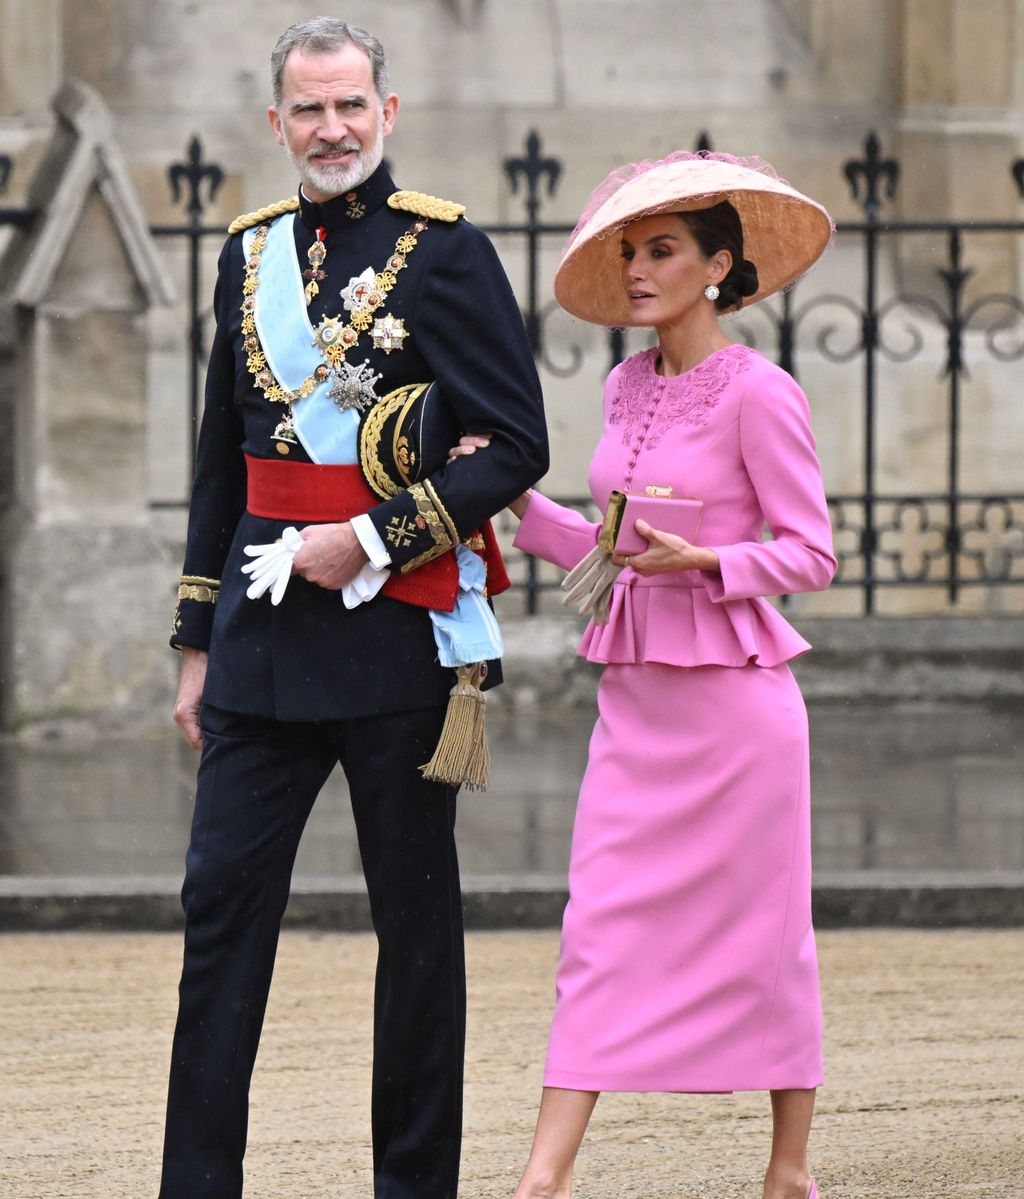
x=871, y=170
x=195, y=173
x=533, y=168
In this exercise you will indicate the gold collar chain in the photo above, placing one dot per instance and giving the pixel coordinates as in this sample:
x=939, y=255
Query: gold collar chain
x=333, y=339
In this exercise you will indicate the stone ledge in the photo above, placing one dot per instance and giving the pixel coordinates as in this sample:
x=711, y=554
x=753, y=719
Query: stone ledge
x=842, y=899
x=876, y=658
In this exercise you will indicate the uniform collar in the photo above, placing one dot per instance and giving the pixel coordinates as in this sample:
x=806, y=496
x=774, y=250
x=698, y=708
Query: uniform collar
x=351, y=207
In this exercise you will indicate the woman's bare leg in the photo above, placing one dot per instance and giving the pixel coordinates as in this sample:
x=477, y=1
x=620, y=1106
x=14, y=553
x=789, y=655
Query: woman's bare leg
x=561, y=1123
x=788, y=1175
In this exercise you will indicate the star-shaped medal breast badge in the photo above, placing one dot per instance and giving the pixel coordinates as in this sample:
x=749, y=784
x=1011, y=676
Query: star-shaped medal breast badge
x=327, y=332
x=359, y=287
x=388, y=333
x=353, y=386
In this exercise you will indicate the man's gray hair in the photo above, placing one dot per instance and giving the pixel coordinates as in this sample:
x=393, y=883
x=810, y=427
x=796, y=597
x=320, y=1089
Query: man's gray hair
x=322, y=35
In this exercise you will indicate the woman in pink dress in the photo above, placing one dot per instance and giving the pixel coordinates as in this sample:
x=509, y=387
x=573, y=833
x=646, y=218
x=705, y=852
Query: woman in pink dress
x=688, y=960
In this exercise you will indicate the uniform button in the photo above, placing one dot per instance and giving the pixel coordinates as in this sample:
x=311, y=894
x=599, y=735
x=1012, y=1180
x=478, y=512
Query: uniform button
x=283, y=448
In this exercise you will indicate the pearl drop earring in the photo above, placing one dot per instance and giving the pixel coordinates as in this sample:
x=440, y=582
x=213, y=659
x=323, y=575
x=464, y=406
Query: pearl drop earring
x=712, y=292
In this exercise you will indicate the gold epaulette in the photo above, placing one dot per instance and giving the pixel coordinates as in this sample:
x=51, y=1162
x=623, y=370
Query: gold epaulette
x=248, y=219
x=429, y=206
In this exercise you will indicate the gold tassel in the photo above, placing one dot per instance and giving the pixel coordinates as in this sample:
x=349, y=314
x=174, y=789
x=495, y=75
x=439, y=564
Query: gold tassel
x=461, y=757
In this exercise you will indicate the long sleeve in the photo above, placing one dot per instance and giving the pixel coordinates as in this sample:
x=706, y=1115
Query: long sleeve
x=555, y=533
x=778, y=452
x=219, y=488
x=469, y=330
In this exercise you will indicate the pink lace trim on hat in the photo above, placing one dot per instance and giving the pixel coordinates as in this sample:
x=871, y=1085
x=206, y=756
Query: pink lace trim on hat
x=647, y=410
x=631, y=170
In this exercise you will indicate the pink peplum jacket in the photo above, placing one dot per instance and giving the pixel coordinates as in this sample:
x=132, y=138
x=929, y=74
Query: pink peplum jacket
x=735, y=433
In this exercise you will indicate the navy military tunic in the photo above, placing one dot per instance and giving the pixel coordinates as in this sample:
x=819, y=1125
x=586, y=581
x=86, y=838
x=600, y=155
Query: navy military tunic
x=310, y=658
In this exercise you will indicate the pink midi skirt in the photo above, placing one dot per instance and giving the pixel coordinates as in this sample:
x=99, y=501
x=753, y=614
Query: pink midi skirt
x=688, y=960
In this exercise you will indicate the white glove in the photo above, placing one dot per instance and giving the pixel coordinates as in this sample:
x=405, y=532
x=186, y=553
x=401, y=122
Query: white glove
x=271, y=565
x=588, y=586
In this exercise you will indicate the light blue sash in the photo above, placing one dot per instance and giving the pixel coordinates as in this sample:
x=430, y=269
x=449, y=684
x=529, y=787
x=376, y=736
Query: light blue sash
x=327, y=433
x=468, y=634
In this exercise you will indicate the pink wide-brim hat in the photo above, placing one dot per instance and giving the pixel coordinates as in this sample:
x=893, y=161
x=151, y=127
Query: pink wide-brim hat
x=784, y=231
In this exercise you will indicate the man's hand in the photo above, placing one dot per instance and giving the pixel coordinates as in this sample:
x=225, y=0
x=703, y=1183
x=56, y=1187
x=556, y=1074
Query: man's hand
x=331, y=556
x=190, y=694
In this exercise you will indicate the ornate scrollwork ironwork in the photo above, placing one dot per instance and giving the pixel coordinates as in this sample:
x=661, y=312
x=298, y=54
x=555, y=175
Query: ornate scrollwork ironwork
x=913, y=333
x=945, y=538
x=533, y=167
x=575, y=350
x=992, y=332
x=847, y=538
x=917, y=546
x=992, y=541
x=823, y=339
x=911, y=542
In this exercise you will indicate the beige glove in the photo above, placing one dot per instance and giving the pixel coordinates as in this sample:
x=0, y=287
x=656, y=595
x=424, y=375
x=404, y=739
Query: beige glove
x=588, y=586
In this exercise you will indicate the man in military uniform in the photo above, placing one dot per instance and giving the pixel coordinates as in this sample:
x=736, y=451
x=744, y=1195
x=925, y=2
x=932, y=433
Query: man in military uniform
x=328, y=307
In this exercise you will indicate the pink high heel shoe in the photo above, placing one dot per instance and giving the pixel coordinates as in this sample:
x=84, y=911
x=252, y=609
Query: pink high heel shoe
x=813, y=1192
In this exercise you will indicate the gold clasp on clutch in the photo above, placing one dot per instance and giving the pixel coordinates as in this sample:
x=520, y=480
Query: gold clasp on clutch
x=612, y=520
x=663, y=493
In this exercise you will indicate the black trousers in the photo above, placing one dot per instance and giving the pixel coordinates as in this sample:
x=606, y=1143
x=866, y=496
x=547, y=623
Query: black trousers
x=257, y=783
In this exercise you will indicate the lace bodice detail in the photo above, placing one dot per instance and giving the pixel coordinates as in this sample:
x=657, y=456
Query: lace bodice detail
x=646, y=404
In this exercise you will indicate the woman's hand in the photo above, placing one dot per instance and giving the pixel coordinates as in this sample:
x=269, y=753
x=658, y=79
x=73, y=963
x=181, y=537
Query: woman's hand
x=666, y=552
x=519, y=505
x=469, y=444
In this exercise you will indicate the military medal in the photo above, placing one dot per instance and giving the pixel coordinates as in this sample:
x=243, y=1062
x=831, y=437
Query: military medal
x=353, y=386
x=284, y=435
x=388, y=333
x=359, y=289
x=316, y=254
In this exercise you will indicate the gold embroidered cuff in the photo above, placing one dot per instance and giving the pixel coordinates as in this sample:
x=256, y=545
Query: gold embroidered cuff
x=439, y=524
x=441, y=510
x=195, y=587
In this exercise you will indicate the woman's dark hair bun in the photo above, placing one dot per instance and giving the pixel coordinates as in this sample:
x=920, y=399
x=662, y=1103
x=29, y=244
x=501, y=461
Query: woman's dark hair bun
x=741, y=281
x=720, y=228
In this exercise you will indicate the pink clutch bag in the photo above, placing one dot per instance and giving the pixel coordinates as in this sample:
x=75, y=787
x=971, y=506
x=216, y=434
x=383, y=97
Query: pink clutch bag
x=658, y=507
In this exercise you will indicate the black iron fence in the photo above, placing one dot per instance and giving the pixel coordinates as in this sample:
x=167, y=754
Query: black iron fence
x=946, y=539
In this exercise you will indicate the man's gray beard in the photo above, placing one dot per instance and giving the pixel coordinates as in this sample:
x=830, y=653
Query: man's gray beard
x=337, y=179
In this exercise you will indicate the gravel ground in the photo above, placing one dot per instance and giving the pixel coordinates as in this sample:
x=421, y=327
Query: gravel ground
x=924, y=1052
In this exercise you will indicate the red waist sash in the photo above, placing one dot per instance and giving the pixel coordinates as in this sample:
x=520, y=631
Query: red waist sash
x=314, y=492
